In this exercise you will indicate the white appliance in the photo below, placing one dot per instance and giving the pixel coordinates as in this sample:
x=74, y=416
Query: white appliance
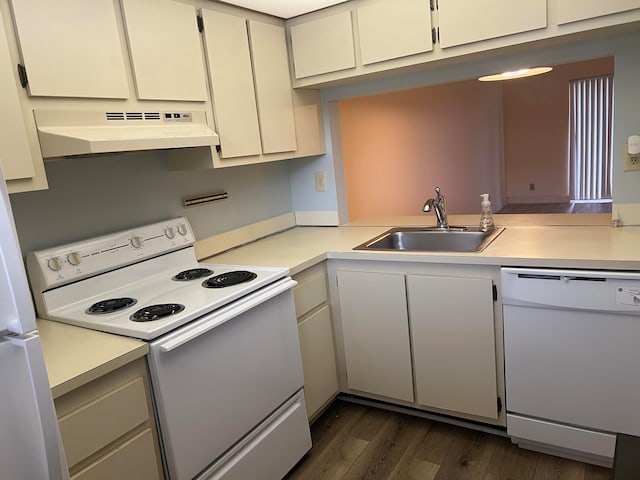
x=224, y=359
x=82, y=132
x=572, y=360
x=30, y=446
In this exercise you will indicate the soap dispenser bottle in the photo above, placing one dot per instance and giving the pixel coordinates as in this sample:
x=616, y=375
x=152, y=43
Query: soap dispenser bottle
x=486, y=216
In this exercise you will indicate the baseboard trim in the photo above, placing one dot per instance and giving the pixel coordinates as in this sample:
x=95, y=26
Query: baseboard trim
x=538, y=199
x=317, y=218
x=240, y=236
x=483, y=427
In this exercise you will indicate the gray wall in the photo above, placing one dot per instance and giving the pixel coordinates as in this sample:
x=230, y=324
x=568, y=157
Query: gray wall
x=92, y=196
x=626, y=185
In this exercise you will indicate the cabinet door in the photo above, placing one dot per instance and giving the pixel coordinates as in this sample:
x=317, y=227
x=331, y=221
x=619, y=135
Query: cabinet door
x=467, y=21
x=394, y=29
x=375, y=331
x=15, y=153
x=318, y=360
x=273, y=87
x=71, y=48
x=323, y=45
x=454, y=353
x=232, y=89
x=165, y=49
x=574, y=10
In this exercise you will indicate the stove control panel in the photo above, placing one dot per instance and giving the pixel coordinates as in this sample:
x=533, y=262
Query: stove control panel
x=67, y=263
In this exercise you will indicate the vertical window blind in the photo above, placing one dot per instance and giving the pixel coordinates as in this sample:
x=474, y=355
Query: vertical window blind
x=591, y=145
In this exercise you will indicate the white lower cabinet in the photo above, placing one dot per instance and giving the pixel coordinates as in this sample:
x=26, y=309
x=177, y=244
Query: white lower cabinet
x=375, y=333
x=426, y=340
x=452, y=331
x=317, y=346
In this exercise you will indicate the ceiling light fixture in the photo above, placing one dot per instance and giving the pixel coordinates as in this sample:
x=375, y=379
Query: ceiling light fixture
x=521, y=73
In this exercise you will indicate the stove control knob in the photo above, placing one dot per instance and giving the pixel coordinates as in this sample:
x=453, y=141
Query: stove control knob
x=182, y=229
x=170, y=233
x=136, y=242
x=74, y=258
x=55, y=264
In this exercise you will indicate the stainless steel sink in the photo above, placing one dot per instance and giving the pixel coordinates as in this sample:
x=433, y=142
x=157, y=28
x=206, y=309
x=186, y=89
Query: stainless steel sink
x=453, y=239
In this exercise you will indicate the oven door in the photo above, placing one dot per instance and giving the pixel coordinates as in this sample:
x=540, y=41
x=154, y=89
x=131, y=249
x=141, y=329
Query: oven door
x=216, y=379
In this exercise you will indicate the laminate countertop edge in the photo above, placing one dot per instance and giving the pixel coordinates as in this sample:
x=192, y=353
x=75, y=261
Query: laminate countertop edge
x=75, y=356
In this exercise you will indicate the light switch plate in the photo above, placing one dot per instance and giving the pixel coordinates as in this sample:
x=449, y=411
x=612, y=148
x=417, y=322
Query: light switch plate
x=321, y=182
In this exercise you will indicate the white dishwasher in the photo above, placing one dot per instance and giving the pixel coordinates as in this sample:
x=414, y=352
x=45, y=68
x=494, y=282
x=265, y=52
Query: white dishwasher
x=572, y=359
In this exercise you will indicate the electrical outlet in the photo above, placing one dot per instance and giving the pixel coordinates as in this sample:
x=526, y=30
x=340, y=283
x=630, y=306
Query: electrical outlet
x=321, y=182
x=631, y=161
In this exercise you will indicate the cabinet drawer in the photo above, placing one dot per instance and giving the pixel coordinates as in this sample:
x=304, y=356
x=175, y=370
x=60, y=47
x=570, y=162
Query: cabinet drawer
x=310, y=293
x=96, y=424
x=133, y=459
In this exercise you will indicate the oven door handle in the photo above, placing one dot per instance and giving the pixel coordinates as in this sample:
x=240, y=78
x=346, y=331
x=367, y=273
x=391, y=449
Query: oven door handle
x=227, y=313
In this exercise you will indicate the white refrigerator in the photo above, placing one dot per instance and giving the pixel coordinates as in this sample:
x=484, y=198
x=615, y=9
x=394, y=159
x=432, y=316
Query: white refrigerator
x=30, y=446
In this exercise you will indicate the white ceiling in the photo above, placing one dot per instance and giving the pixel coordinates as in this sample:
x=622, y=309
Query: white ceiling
x=284, y=8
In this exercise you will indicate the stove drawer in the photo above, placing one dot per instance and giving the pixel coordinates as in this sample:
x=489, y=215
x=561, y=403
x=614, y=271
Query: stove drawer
x=215, y=382
x=284, y=435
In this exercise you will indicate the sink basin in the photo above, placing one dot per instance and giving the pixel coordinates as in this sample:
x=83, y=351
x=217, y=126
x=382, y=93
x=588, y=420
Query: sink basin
x=454, y=239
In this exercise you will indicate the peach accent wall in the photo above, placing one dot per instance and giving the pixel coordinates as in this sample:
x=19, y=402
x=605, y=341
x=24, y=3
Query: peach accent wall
x=536, y=132
x=398, y=146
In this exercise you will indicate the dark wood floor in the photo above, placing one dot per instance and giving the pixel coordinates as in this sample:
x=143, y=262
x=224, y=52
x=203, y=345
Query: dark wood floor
x=356, y=442
x=592, y=207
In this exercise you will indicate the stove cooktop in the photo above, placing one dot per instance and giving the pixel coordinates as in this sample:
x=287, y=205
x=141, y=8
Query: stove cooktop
x=94, y=284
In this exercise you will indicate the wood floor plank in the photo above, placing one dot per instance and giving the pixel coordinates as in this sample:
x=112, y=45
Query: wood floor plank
x=593, y=472
x=414, y=469
x=411, y=465
x=549, y=467
x=356, y=442
x=509, y=462
x=469, y=456
x=386, y=448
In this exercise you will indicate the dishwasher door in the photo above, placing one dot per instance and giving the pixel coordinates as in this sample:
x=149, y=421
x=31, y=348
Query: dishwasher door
x=572, y=356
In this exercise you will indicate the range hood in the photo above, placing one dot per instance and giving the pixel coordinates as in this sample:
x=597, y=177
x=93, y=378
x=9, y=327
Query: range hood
x=80, y=132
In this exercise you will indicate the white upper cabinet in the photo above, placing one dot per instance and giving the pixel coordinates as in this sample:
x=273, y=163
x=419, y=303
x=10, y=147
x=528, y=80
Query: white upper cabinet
x=250, y=85
x=389, y=30
x=574, y=10
x=230, y=72
x=468, y=21
x=323, y=45
x=165, y=49
x=273, y=87
x=71, y=48
x=15, y=154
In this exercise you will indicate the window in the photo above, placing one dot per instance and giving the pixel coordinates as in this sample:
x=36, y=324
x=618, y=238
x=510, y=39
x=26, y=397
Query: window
x=591, y=146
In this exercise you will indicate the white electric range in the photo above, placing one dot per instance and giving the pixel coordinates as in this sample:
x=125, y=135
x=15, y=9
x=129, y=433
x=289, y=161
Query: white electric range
x=224, y=355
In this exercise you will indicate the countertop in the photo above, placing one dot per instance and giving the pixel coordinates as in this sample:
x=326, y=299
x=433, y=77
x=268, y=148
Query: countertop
x=591, y=245
x=75, y=356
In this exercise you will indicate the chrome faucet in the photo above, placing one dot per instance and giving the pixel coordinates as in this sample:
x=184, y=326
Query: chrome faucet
x=437, y=205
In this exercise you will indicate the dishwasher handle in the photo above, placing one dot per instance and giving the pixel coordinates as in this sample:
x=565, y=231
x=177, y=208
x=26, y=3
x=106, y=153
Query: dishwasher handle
x=227, y=313
x=566, y=278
